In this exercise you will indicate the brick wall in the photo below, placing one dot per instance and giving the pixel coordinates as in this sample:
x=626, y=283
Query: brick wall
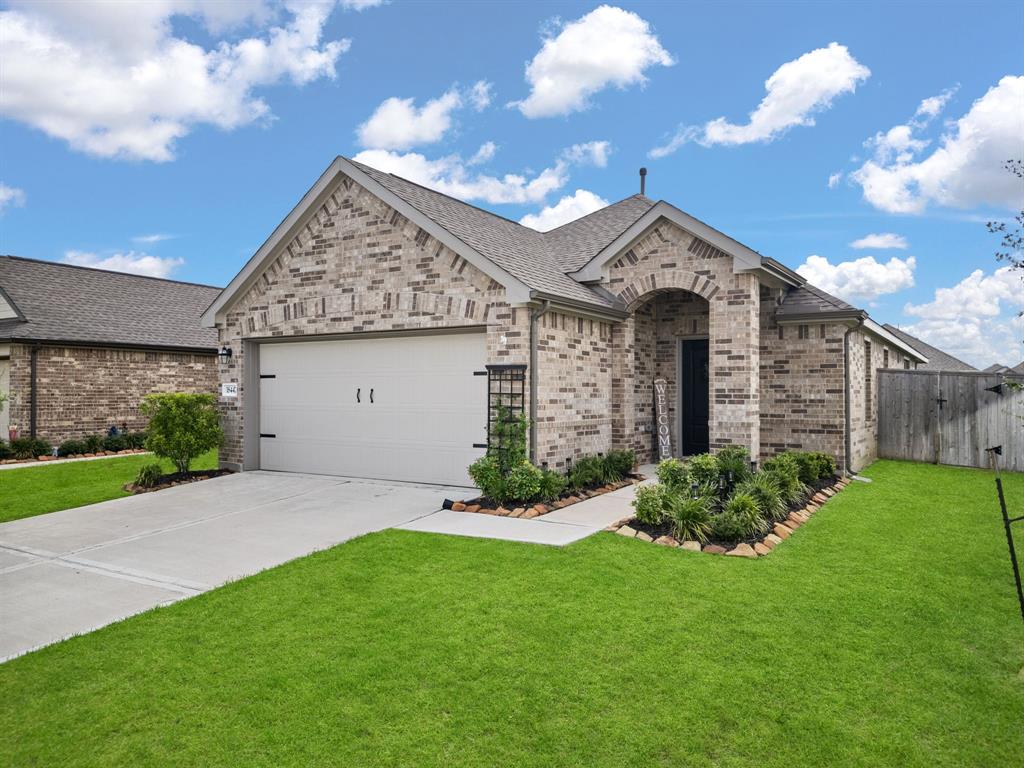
x=83, y=391
x=359, y=266
x=868, y=354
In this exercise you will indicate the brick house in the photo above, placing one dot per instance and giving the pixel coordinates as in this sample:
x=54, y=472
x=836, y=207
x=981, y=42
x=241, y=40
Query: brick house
x=368, y=330
x=80, y=347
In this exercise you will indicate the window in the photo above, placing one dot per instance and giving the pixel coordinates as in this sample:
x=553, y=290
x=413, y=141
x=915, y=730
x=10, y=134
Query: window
x=885, y=358
x=804, y=332
x=867, y=380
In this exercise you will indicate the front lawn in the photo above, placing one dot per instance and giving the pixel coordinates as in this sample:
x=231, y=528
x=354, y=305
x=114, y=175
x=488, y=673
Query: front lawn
x=28, y=491
x=884, y=633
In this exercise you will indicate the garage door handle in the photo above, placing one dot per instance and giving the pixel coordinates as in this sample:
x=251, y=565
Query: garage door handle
x=358, y=390
x=371, y=395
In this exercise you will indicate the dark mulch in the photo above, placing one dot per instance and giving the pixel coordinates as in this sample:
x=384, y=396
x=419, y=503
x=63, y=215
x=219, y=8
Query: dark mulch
x=568, y=497
x=176, y=478
x=664, y=529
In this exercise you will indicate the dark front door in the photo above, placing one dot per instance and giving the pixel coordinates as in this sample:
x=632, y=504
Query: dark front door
x=693, y=396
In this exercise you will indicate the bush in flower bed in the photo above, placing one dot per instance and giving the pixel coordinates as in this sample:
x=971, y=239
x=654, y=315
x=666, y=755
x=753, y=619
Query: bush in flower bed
x=506, y=476
x=30, y=447
x=720, y=498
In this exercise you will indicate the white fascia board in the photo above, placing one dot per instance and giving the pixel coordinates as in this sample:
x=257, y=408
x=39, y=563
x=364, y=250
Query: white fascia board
x=744, y=258
x=873, y=327
x=517, y=291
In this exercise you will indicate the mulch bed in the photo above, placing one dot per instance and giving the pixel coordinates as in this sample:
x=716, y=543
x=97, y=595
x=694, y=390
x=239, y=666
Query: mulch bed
x=177, y=478
x=35, y=459
x=485, y=506
x=758, y=546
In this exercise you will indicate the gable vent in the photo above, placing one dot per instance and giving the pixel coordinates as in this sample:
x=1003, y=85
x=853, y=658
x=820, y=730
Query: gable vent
x=704, y=249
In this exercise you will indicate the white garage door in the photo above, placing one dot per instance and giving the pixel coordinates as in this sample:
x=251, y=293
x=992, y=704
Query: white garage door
x=395, y=408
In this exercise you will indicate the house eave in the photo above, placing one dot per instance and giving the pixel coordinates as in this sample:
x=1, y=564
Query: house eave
x=571, y=306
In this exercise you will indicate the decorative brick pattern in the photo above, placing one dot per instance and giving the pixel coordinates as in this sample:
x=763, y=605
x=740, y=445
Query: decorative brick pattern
x=84, y=390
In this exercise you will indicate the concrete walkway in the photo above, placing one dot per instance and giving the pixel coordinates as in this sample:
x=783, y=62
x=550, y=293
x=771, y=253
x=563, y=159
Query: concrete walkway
x=557, y=528
x=66, y=573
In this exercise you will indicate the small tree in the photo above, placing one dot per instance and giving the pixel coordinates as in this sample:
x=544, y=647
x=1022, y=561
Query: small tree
x=181, y=426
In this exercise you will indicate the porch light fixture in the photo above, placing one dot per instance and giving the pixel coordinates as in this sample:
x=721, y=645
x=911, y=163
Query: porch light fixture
x=224, y=355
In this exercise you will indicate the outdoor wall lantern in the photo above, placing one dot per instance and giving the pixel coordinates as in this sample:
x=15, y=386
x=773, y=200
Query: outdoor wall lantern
x=224, y=355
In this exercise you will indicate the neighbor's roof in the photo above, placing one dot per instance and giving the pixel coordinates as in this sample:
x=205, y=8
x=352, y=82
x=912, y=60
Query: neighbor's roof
x=937, y=359
x=61, y=302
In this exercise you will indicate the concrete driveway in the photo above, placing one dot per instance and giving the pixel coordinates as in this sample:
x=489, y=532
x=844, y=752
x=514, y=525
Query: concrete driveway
x=70, y=572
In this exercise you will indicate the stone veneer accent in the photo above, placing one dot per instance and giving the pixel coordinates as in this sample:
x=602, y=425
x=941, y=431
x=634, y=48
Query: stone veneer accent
x=84, y=390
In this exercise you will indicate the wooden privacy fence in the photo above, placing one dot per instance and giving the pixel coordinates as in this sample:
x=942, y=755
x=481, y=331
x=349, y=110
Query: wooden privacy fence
x=950, y=417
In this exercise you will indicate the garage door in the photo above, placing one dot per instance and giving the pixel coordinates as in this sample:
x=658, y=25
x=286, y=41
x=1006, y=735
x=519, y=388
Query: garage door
x=395, y=408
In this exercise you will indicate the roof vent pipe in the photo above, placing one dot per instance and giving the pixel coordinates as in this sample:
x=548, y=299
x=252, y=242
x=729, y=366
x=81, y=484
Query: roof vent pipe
x=643, y=180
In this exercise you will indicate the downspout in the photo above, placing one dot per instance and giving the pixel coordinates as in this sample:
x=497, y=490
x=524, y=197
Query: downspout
x=33, y=397
x=848, y=438
x=535, y=314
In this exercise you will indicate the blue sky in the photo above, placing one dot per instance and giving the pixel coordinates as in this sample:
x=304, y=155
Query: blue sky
x=173, y=137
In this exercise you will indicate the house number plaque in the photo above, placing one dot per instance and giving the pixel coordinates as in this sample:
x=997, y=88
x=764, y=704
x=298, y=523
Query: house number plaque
x=661, y=419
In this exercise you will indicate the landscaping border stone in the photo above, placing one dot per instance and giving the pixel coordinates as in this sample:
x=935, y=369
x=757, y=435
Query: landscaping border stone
x=477, y=505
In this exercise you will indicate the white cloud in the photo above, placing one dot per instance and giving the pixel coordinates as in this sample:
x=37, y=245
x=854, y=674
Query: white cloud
x=933, y=105
x=863, y=278
x=122, y=85
x=483, y=155
x=834, y=179
x=976, y=319
x=11, y=196
x=569, y=208
x=591, y=152
x=795, y=92
x=132, y=262
x=480, y=95
x=881, y=240
x=361, y=5
x=452, y=175
x=965, y=170
x=607, y=47
x=399, y=124
x=150, y=239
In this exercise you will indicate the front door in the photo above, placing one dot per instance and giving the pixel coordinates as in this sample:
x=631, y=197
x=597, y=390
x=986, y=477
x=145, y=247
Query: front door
x=693, y=396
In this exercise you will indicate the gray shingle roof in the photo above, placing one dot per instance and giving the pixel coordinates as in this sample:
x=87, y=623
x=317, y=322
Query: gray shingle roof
x=61, y=302
x=937, y=359
x=540, y=260
x=807, y=300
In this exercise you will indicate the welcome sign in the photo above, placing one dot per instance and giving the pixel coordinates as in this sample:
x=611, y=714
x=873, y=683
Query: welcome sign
x=661, y=419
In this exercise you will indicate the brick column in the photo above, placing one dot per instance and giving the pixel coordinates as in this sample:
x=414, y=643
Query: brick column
x=623, y=375
x=734, y=364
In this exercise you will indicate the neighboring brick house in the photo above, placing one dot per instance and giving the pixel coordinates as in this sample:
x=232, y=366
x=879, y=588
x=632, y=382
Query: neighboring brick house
x=80, y=347
x=937, y=359
x=581, y=320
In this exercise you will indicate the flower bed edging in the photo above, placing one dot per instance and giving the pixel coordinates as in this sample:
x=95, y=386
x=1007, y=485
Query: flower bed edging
x=530, y=511
x=169, y=481
x=35, y=459
x=780, y=531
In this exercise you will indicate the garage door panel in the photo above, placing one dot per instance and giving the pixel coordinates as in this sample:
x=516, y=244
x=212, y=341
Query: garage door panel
x=420, y=409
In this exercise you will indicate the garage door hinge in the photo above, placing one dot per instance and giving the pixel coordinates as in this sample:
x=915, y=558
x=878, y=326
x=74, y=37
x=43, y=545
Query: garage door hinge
x=479, y=445
x=479, y=373
x=267, y=434
x=268, y=375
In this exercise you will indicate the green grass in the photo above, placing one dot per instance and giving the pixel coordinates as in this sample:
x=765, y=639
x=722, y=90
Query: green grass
x=884, y=633
x=29, y=491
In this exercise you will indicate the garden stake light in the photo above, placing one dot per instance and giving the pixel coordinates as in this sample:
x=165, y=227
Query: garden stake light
x=1007, y=522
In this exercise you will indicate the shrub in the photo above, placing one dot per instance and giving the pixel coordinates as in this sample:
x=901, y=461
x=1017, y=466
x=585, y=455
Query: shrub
x=149, y=475
x=523, y=483
x=115, y=443
x=739, y=519
x=30, y=447
x=807, y=466
x=488, y=477
x=784, y=469
x=703, y=469
x=649, y=503
x=619, y=464
x=672, y=474
x=586, y=471
x=826, y=464
x=94, y=443
x=135, y=440
x=733, y=463
x=763, y=487
x=690, y=518
x=508, y=439
x=5, y=451
x=70, y=447
x=552, y=484
x=182, y=426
